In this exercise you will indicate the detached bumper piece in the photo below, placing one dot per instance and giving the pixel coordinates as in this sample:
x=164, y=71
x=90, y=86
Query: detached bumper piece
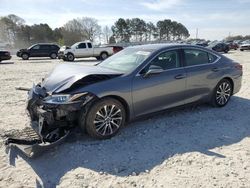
x=30, y=142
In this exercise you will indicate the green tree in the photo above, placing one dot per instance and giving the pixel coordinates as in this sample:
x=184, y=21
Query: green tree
x=121, y=30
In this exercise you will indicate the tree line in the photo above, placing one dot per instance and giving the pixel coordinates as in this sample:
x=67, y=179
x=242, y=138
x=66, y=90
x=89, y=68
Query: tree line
x=14, y=31
x=137, y=30
x=238, y=37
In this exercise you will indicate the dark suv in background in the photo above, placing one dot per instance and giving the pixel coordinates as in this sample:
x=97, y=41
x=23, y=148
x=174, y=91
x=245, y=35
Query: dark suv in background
x=39, y=50
x=219, y=47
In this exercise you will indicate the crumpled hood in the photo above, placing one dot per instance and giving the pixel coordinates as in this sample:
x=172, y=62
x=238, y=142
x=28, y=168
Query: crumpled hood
x=65, y=75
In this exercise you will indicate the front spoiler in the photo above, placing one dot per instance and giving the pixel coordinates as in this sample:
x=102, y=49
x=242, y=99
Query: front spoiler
x=32, y=149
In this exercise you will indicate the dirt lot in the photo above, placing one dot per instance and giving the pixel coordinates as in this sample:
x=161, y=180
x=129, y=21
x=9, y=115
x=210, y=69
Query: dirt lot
x=192, y=147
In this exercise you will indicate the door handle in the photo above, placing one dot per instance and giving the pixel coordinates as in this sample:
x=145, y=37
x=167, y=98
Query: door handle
x=180, y=76
x=215, y=69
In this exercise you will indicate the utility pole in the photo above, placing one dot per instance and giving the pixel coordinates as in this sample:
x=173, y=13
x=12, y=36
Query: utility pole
x=197, y=32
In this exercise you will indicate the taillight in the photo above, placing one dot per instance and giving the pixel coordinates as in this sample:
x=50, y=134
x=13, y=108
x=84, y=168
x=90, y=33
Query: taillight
x=238, y=66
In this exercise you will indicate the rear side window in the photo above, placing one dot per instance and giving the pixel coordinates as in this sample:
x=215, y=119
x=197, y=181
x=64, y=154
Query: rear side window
x=82, y=45
x=89, y=45
x=196, y=57
x=44, y=47
x=54, y=47
x=167, y=60
x=212, y=58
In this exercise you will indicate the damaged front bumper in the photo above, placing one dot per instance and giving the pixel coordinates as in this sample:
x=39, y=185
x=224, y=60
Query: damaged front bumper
x=51, y=123
x=30, y=143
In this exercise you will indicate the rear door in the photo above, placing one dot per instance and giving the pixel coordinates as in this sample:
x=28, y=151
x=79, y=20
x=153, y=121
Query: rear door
x=45, y=50
x=160, y=91
x=202, y=73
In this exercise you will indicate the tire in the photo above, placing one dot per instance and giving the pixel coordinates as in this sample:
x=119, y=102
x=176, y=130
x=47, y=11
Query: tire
x=226, y=51
x=104, y=55
x=98, y=58
x=25, y=56
x=70, y=57
x=103, y=119
x=222, y=93
x=53, y=55
x=241, y=50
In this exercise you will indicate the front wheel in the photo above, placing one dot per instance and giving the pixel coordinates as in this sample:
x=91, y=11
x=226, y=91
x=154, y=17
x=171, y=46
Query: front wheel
x=104, y=118
x=222, y=93
x=25, y=56
x=70, y=57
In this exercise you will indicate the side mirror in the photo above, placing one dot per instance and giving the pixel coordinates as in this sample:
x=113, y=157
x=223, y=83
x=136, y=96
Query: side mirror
x=152, y=71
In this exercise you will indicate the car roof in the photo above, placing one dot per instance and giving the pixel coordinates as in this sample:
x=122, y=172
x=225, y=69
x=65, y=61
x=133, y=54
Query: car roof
x=160, y=46
x=46, y=44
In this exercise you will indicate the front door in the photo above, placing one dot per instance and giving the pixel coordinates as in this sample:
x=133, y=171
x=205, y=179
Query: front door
x=161, y=89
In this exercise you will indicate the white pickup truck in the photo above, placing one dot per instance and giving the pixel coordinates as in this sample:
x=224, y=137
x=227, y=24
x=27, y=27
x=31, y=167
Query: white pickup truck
x=86, y=49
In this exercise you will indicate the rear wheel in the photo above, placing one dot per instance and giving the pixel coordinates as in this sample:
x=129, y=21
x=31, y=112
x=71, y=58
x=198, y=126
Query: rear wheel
x=103, y=56
x=25, y=56
x=53, y=55
x=103, y=119
x=222, y=93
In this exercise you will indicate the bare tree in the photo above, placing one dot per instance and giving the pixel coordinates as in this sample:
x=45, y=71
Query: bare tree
x=90, y=27
x=107, y=33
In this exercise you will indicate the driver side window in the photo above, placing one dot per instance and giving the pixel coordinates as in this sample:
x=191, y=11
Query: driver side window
x=166, y=60
x=37, y=47
x=82, y=45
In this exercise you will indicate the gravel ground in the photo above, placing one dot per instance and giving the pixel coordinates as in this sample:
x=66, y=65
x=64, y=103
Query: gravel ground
x=191, y=147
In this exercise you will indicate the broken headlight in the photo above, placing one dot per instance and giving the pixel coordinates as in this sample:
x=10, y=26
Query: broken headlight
x=64, y=98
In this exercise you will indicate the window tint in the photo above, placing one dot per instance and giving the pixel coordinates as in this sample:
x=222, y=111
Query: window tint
x=44, y=47
x=167, y=60
x=212, y=58
x=196, y=57
x=54, y=47
x=37, y=47
x=82, y=45
x=89, y=45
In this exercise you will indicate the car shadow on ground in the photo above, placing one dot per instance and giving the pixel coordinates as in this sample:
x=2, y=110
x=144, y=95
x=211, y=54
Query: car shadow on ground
x=6, y=63
x=146, y=143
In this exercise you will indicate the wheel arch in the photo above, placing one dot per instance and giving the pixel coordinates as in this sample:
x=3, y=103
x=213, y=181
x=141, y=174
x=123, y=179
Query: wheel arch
x=70, y=53
x=104, y=52
x=28, y=53
x=231, y=82
x=123, y=102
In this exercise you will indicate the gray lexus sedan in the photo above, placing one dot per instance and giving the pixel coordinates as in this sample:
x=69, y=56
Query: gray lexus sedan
x=136, y=81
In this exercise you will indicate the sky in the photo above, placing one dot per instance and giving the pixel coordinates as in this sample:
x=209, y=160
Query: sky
x=215, y=19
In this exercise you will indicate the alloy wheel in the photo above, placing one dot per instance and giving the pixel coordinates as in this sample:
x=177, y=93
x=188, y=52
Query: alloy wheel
x=223, y=93
x=108, y=120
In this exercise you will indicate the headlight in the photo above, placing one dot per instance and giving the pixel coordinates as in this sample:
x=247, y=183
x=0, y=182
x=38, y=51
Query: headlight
x=64, y=98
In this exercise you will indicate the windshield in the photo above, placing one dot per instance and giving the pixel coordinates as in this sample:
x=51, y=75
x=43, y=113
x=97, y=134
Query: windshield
x=74, y=45
x=126, y=60
x=31, y=46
